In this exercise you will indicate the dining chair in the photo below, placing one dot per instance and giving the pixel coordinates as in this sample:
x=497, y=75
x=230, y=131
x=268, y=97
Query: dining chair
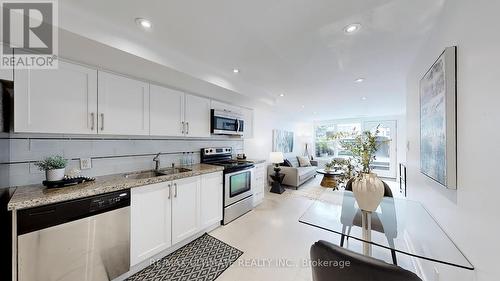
x=331, y=262
x=385, y=223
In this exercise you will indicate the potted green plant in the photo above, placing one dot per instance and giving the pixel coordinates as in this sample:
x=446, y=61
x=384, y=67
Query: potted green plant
x=349, y=169
x=328, y=166
x=368, y=189
x=54, y=167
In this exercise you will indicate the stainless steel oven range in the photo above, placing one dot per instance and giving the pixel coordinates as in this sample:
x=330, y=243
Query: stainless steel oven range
x=238, y=177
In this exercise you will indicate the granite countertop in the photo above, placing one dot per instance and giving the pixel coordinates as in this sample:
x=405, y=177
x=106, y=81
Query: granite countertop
x=38, y=195
x=257, y=161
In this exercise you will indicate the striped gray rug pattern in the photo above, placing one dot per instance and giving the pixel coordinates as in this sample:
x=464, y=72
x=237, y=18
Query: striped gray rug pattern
x=204, y=259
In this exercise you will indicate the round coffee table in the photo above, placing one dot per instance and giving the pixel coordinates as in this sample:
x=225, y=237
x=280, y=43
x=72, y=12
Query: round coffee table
x=329, y=177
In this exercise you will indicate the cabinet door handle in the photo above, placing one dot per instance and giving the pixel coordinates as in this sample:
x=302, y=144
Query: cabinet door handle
x=92, y=121
x=183, y=127
x=175, y=189
x=187, y=126
x=102, y=121
x=169, y=190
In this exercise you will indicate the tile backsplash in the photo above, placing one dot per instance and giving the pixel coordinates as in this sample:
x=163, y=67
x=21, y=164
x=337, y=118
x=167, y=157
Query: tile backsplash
x=109, y=155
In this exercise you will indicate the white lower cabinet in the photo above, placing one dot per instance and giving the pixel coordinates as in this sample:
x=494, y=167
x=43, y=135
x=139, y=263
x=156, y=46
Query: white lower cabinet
x=211, y=199
x=259, y=183
x=185, y=208
x=167, y=213
x=150, y=221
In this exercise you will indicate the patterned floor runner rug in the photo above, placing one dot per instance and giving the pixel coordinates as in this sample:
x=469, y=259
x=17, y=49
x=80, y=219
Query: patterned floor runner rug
x=204, y=259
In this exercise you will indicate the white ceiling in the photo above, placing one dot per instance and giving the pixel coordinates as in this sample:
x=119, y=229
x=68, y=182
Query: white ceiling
x=295, y=47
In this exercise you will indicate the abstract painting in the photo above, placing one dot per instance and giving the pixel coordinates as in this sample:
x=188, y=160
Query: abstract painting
x=438, y=152
x=282, y=141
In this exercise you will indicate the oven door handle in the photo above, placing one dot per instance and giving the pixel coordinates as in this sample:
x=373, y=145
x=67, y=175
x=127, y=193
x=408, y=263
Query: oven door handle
x=237, y=125
x=249, y=168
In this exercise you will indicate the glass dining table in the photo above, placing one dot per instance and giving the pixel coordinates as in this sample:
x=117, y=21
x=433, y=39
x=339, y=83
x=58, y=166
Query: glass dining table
x=399, y=225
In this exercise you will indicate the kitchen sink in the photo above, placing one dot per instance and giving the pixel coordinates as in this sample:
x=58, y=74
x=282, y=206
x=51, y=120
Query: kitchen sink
x=153, y=173
x=144, y=175
x=171, y=171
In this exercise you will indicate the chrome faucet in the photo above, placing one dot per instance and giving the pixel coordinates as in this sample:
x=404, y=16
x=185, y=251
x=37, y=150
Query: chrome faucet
x=156, y=159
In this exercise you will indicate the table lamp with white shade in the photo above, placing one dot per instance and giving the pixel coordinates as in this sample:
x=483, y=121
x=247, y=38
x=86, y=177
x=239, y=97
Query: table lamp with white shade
x=276, y=158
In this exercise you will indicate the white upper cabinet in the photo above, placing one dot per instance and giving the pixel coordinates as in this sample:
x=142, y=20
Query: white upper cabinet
x=6, y=74
x=197, y=116
x=185, y=208
x=62, y=100
x=123, y=105
x=224, y=106
x=150, y=221
x=248, y=123
x=76, y=99
x=166, y=112
x=174, y=113
x=210, y=199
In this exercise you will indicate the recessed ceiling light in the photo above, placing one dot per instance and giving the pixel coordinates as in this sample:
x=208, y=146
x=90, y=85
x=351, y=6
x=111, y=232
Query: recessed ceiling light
x=359, y=80
x=363, y=98
x=314, y=112
x=235, y=70
x=352, y=28
x=282, y=95
x=303, y=106
x=144, y=23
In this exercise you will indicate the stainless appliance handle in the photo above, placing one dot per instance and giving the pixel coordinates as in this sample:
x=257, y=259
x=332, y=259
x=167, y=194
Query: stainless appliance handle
x=102, y=121
x=183, y=127
x=169, y=190
x=237, y=125
x=224, y=132
x=226, y=114
x=175, y=189
x=250, y=168
x=187, y=128
x=92, y=124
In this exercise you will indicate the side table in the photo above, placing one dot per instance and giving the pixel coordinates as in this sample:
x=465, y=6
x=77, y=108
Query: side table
x=276, y=185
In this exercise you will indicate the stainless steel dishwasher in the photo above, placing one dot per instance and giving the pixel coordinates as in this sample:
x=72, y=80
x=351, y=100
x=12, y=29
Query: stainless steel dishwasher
x=86, y=239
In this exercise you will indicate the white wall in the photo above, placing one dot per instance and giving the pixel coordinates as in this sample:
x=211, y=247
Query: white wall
x=469, y=214
x=264, y=122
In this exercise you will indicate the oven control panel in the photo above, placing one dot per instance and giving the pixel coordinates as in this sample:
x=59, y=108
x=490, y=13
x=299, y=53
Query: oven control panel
x=218, y=150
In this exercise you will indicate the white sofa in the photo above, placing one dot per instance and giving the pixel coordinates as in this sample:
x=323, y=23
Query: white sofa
x=295, y=176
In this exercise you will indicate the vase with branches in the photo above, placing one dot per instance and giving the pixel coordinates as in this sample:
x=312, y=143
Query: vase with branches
x=363, y=147
x=367, y=187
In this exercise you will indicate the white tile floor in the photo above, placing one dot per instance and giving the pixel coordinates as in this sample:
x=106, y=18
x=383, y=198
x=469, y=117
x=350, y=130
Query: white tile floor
x=271, y=234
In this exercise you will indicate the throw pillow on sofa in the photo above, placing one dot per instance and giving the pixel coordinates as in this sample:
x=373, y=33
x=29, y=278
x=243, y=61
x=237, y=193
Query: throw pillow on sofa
x=304, y=161
x=286, y=163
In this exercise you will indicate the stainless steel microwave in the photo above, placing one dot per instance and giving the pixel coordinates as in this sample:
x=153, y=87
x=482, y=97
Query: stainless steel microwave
x=225, y=122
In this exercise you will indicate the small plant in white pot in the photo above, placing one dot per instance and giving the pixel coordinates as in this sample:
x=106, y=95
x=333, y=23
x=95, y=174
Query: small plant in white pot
x=328, y=166
x=54, y=167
